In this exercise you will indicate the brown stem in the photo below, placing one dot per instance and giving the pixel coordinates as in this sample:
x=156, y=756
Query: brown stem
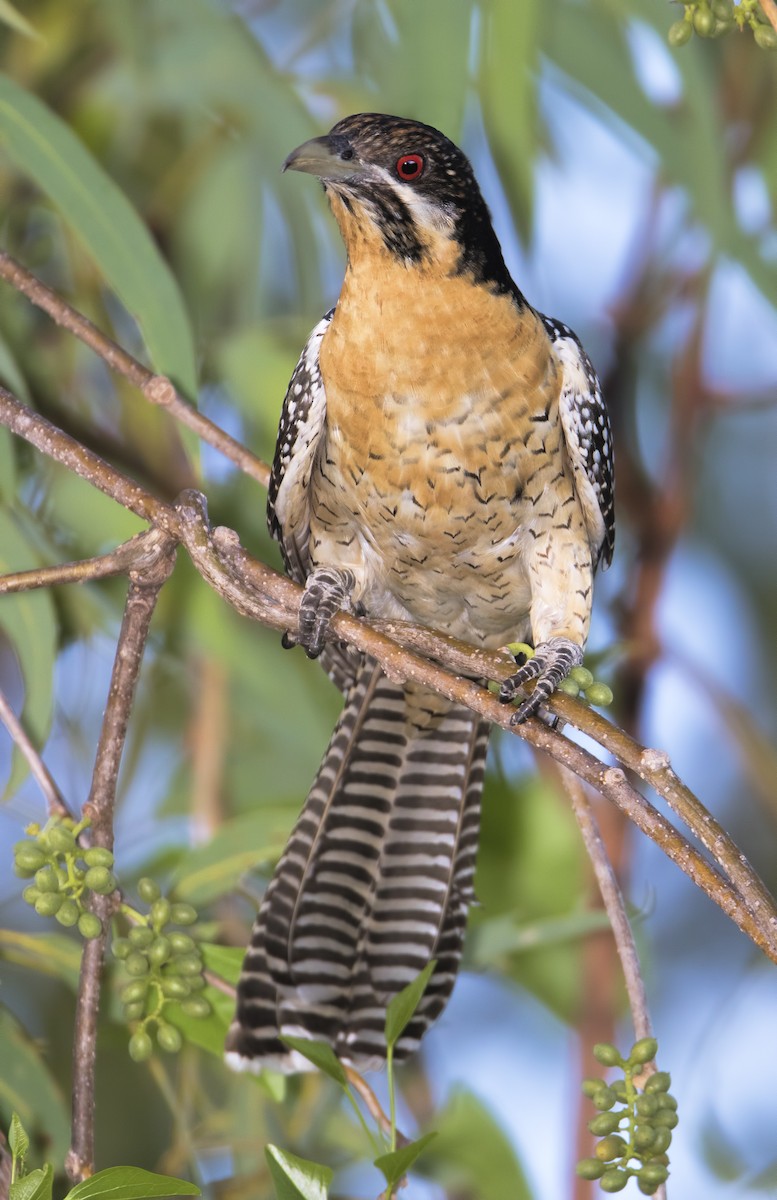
x=769, y=9
x=156, y=388
x=141, y=600
x=612, y=899
x=118, y=562
x=55, y=802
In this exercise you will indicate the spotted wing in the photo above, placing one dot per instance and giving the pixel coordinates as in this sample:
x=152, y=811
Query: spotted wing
x=588, y=436
x=301, y=426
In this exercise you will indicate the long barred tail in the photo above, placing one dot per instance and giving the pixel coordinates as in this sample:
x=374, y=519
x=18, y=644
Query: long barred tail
x=376, y=880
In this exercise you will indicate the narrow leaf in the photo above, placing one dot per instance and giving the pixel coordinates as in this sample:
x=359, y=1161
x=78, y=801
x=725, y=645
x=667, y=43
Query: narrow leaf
x=397, y=1163
x=404, y=1004
x=35, y=1186
x=43, y=147
x=296, y=1178
x=130, y=1183
x=12, y=17
x=17, y=1138
x=27, y=1087
x=53, y=954
x=321, y=1055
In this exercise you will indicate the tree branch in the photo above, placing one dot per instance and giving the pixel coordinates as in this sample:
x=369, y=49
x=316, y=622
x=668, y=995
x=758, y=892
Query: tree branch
x=156, y=388
x=55, y=802
x=144, y=588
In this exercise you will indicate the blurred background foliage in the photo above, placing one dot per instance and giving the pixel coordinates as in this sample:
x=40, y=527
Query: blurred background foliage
x=633, y=188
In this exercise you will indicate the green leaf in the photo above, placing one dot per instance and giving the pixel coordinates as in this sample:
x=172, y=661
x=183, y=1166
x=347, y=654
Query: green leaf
x=13, y=18
x=52, y=954
x=206, y=1032
x=404, y=1004
x=472, y=1154
x=508, y=86
x=397, y=1163
x=26, y=1087
x=35, y=1186
x=491, y=940
x=44, y=148
x=321, y=1055
x=28, y=621
x=226, y=961
x=240, y=844
x=130, y=1183
x=17, y=1138
x=296, y=1178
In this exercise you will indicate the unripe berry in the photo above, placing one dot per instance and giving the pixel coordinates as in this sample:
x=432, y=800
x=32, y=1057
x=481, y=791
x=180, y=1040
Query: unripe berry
x=644, y=1137
x=97, y=856
x=196, y=1006
x=662, y=1140
x=121, y=947
x=89, y=925
x=599, y=694
x=30, y=894
x=582, y=677
x=182, y=943
x=148, y=890
x=611, y=1147
x=679, y=34
x=141, y=936
x=607, y=1054
x=100, y=880
x=169, y=1038
x=660, y=1082
x=48, y=904
x=140, y=1046
x=654, y=1173
x=175, y=988
x=590, y=1087
x=703, y=22
x=134, y=991
x=646, y=1106
x=187, y=964
x=183, y=914
x=569, y=687
x=61, y=839
x=134, y=1011
x=644, y=1051
x=136, y=964
x=604, y=1099
x=665, y=1119
x=28, y=858
x=159, y=951
x=604, y=1123
x=590, y=1168
x=613, y=1180
x=46, y=879
x=68, y=913
x=765, y=37
x=160, y=912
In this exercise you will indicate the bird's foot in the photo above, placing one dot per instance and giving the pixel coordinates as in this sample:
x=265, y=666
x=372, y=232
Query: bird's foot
x=327, y=591
x=552, y=662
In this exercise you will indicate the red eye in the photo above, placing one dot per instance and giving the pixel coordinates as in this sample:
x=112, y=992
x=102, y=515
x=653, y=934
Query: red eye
x=410, y=166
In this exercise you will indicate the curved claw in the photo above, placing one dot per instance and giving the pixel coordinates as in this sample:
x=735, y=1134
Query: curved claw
x=552, y=662
x=327, y=591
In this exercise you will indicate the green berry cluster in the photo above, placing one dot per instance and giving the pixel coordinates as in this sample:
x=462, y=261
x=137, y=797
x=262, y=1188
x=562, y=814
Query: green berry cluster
x=165, y=967
x=63, y=873
x=634, y=1125
x=712, y=18
x=579, y=682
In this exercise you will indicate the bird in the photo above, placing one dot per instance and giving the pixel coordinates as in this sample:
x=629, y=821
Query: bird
x=444, y=456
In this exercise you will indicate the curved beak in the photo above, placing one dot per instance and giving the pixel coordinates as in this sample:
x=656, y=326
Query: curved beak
x=319, y=157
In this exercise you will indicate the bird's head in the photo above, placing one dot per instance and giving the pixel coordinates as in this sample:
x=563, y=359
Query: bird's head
x=405, y=187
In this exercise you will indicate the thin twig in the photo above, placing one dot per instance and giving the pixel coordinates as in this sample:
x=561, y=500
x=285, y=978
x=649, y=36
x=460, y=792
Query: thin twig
x=372, y=1103
x=769, y=9
x=612, y=898
x=104, y=566
x=141, y=601
x=55, y=802
x=156, y=388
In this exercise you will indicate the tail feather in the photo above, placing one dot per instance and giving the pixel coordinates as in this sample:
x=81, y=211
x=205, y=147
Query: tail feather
x=376, y=880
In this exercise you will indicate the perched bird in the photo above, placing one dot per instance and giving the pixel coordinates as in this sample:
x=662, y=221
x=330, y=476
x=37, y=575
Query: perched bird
x=444, y=457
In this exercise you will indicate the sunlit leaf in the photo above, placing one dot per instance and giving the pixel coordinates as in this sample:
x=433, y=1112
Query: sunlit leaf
x=18, y=1139
x=296, y=1178
x=11, y=16
x=130, y=1183
x=239, y=845
x=27, y=1087
x=44, y=148
x=397, y=1163
x=473, y=1154
x=28, y=621
x=320, y=1054
x=35, y=1186
x=508, y=84
x=403, y=1005
x=52, y=954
